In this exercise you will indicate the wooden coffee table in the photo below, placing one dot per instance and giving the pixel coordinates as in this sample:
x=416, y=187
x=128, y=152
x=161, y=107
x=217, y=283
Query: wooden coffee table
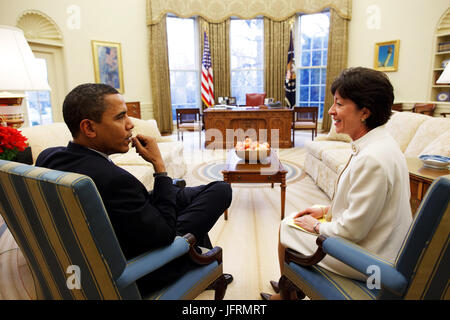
x=238, y=171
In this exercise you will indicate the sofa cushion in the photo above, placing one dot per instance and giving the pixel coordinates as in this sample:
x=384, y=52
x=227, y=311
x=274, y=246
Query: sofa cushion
x=316, y=148
x=439, y=146
x=336, y=159
x=146, y=128
x=46, y=136
x=426, y=134
x=403, y=125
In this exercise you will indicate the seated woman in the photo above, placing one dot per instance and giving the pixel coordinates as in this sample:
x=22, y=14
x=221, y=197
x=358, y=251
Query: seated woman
x=370, y=206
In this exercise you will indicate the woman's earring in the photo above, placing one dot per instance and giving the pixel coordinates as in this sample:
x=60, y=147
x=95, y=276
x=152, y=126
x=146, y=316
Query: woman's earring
x=363, y=120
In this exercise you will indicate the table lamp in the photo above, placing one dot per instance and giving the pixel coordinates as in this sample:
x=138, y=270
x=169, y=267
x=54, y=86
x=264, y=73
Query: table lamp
x=19, y=72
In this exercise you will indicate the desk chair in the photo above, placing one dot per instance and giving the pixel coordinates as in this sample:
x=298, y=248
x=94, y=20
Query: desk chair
x=305, y=118
x=189, y=119
x=60, y=224
x=424, y=108
x=255, y=99
x=420, y=270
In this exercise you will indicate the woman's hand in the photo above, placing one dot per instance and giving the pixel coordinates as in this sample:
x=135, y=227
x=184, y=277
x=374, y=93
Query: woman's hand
x=315, y=212
x=148, y=149
x=307, y=222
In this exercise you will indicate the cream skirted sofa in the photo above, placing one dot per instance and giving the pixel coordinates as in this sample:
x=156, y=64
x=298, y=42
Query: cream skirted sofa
x=416, y=134
x=57, y=134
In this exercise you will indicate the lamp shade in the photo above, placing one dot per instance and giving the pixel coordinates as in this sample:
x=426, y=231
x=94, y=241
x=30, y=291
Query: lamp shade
x=445, y=75
x=18, y=66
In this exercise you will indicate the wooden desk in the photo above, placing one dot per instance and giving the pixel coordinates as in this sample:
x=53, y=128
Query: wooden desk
x=420, y=179
x=238, y=171
x=256, y=123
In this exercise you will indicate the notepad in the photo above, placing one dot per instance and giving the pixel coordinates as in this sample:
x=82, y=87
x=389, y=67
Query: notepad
x=292, y=224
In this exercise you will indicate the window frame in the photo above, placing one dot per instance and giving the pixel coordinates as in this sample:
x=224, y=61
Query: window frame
x=321, y=83
x=196, y=71
x=262, y=69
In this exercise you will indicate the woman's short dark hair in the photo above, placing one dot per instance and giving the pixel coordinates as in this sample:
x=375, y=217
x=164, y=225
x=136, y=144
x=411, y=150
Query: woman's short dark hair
x=86, y=101
x=367, y=88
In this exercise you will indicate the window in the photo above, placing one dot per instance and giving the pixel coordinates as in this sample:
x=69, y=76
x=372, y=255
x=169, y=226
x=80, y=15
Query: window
x=39, y=102
x=183, y=63
x=312, y=65
x=247, y=58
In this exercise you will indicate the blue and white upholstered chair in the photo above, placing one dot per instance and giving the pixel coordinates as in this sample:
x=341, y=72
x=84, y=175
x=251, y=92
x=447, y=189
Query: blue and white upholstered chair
x=60, y=224
x=420, y=271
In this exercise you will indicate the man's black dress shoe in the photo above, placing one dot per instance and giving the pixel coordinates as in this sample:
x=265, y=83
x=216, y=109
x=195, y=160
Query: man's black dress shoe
x=228, y=278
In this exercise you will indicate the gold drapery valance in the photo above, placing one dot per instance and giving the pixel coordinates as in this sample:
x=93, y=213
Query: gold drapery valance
x=216, y=11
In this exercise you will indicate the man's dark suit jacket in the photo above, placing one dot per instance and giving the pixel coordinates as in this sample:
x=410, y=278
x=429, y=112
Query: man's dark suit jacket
x=141, y=220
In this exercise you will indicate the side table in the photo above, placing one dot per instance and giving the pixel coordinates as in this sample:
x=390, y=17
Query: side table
x=238, y=171
x=420, y=179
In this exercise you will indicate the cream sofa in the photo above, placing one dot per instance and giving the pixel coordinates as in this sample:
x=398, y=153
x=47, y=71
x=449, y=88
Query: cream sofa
x=57, y=134
x=416, y=134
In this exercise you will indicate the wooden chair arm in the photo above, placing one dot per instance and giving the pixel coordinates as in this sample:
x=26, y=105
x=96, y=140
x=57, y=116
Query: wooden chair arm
x=304, y=260
x=215, y=254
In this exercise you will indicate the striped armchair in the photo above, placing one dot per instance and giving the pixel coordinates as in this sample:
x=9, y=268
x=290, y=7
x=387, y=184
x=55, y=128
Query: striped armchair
x=61, y=226
x=421, y=270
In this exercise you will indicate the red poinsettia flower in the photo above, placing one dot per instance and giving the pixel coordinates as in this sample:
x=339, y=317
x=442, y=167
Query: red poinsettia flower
x=11, y=142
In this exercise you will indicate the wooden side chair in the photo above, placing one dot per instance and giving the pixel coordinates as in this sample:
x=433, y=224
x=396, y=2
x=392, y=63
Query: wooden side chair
x=254, y=99
x=189, y=119
x=305, y=118
x=419, y=272
x=61, y=226
x=424, y=108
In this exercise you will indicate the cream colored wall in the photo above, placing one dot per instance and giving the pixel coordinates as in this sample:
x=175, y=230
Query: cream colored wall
x=104, y=20
x=414, y=23
x=411, y=21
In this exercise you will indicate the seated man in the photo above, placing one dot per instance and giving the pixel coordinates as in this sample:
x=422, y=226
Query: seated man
x=96, y=116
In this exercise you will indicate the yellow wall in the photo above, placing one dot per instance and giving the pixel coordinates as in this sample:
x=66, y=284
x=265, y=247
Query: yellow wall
x=414, y=23
x=104, y=20
x=411, y=21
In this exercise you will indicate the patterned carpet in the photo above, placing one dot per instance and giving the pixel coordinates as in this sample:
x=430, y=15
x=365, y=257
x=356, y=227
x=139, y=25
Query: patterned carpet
x=248, y=238
x=210, y=171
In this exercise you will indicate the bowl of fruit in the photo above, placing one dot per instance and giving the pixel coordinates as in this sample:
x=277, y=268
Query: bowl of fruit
x=249, y=150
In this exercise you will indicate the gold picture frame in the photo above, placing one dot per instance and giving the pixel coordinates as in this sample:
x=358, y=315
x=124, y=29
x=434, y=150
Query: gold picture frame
x=386, y=55
x=108, y=63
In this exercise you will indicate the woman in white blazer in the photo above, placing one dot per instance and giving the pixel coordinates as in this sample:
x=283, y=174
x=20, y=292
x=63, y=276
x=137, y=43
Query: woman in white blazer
x=370, y=206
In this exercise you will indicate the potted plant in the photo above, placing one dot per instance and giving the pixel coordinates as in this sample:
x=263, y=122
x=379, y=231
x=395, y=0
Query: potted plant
x=11, y=143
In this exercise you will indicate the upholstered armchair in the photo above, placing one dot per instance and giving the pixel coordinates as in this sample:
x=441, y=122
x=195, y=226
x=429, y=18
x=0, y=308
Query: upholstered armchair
x=305, y=118
x=189, y=119
x=60, y=224
x=255, y=99
x=419, y=272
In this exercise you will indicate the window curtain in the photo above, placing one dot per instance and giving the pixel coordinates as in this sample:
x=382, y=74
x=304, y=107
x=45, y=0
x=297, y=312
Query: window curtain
x=160, y=76
x=216, y=12
x=337, y=59
x=276, y=46
x=219, y=44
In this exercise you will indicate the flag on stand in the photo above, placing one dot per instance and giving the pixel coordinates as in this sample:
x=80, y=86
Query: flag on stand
x=207, y=75
x=289, y=85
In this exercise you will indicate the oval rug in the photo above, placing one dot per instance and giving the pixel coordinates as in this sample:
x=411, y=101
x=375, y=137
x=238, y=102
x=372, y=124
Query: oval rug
x=212, y=171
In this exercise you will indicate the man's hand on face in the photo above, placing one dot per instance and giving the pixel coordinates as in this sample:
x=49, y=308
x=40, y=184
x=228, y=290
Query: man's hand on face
x=148, y=149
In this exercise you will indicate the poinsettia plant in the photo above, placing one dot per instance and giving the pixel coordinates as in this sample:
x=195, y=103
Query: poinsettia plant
x=11, y=142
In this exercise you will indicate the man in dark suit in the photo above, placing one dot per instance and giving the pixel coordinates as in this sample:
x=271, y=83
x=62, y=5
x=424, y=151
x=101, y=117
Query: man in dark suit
x=96, y=116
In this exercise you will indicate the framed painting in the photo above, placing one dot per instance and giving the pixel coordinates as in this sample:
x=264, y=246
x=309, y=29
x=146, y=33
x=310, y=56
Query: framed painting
x=386, y=55
x=108, y=64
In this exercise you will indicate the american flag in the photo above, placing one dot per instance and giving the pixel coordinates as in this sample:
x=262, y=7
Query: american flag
x=289, y=85
x=207, y=75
